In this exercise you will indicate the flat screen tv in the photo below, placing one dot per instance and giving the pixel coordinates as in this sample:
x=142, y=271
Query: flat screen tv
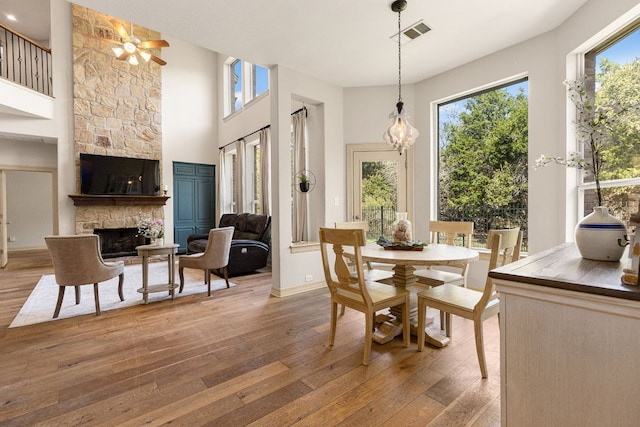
x=119, y=175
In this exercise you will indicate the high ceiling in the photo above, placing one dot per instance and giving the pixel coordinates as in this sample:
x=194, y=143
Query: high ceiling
x=347, y=43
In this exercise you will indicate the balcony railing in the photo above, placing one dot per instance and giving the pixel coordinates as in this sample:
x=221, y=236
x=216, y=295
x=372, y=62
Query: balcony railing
x=25, y=62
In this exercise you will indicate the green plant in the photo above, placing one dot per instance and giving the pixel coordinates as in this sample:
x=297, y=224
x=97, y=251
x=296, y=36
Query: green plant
x=303, y=178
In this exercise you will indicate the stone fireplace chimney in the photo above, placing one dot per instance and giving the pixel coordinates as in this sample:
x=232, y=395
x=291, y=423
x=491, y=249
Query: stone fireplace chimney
x=117, y=112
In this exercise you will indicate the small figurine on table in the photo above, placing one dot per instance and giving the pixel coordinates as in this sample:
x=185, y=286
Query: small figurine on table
x=630, y=275
x=402, y=232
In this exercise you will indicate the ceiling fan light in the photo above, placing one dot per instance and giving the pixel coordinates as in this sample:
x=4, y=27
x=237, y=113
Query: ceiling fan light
x=145, y=55
x=129, y=47
x=133, y=60
x=118, y=51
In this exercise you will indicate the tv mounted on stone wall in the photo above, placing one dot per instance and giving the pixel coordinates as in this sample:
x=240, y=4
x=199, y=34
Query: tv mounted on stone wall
x=109, y=175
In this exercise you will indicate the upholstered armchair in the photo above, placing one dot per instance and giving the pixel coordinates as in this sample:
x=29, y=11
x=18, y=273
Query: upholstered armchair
x=214, y=258
x=77, y=261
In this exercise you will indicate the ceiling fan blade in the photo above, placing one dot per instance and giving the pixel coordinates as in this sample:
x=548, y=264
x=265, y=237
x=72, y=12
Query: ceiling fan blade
x=158, y=60
x=120, y=30
x=124, y=56
x=104, y=39
x=151, y=44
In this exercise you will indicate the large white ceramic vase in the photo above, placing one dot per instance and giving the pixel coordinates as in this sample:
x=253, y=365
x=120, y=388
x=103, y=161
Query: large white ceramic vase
x=599, y=236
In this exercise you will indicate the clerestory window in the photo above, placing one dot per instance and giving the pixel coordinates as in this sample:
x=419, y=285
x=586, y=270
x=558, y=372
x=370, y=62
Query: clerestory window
x=243, y=82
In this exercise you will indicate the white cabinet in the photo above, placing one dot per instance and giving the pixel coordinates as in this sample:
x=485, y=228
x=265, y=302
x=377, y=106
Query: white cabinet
x=570, y=342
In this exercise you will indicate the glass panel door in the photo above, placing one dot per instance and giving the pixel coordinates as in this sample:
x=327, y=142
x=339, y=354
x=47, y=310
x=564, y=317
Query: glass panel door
x=379, y=190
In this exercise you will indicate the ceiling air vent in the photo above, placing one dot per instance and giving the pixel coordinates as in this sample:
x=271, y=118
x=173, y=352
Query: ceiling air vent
x=412, y=32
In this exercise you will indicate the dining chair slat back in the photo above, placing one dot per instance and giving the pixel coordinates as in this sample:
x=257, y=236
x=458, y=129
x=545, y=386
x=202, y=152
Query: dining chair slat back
x=452, y=231
x=351, y=289
x=470, y=303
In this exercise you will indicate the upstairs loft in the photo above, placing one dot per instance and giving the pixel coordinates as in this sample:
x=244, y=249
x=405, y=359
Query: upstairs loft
x=25, y=76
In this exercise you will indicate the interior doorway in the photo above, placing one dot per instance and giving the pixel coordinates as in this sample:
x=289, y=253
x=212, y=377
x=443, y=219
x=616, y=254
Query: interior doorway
x=28, y=209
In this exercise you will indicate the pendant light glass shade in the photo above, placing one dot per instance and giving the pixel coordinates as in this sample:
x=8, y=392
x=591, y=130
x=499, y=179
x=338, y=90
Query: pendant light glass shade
x=400, y=134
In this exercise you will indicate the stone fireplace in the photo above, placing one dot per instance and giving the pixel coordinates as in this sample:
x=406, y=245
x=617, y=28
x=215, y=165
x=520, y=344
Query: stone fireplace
x=117, y=112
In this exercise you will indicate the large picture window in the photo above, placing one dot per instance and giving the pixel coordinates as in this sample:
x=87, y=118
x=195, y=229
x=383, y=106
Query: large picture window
x=612, y=71
x=482, y=160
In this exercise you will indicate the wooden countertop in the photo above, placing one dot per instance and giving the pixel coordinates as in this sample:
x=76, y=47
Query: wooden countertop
x=562, y=267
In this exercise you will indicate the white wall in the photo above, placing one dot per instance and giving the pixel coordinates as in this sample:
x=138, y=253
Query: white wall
x=290, y=269
x=16, y=154
x=189, y=111
x=29, y=218
x=29, y=167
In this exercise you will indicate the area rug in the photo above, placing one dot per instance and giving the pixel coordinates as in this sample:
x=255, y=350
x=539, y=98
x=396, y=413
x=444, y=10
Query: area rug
x=41, y=303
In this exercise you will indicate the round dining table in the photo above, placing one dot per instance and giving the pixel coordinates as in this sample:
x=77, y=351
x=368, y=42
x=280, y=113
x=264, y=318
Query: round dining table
x=405, y=262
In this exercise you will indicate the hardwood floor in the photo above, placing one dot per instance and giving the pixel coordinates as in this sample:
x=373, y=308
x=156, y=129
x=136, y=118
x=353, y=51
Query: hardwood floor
x=240, y=357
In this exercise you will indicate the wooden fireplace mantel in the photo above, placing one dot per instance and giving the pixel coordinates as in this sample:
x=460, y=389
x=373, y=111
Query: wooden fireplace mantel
x=117, y=200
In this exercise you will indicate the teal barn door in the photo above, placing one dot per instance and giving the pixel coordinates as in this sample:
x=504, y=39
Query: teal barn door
x=194, y=204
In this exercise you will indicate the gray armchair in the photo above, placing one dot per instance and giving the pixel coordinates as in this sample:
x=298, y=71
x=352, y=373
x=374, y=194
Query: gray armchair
x=77, y=261
x=214, y=257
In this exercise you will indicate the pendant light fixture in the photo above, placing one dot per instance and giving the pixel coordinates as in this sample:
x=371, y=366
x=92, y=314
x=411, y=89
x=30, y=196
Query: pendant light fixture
x=400, y=134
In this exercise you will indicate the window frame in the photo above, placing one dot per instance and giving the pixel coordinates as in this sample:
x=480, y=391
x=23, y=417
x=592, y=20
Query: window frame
x=252, y=193
x=248, y=85
x=501, y=84
x=589, y=66
x=230, y=182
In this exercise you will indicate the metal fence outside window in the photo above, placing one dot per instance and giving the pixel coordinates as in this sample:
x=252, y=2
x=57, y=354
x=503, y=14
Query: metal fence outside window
x=381, y=218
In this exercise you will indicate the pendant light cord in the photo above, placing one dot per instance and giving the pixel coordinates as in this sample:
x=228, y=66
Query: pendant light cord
x=399, y=61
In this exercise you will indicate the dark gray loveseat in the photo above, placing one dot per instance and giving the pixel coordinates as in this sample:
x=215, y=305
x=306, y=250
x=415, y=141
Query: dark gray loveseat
x=250, y=245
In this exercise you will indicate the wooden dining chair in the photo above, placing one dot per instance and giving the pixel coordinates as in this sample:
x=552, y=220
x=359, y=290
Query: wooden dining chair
x=371, y=274
x=354, y=291
x=77, y=261
x=469, y=303
x=455, y=232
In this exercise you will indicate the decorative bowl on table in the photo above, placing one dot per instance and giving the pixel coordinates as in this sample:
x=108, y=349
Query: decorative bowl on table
x=390, y=245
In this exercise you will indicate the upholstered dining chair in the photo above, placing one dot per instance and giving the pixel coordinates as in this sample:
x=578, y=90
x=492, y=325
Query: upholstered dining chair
x=77, y=261
x=352, y=290
x=215, y=256
x=451, y=230
x=469, y=303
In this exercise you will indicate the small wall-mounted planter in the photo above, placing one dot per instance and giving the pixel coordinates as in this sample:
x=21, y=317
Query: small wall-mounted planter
x=304, y=187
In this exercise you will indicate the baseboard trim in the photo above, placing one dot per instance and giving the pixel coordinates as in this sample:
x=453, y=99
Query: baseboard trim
x=294, y=290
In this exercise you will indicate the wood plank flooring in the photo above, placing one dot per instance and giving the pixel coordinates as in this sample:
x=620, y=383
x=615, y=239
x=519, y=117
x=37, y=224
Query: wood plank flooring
x=240, y=357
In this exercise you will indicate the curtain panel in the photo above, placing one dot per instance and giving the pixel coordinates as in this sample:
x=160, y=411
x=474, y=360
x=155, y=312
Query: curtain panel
x=300, y=203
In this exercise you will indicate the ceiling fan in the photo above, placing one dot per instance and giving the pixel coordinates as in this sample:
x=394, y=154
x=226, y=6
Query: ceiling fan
x=131, y=46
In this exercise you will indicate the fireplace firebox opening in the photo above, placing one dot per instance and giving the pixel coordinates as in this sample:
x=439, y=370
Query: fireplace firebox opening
x=119, y=242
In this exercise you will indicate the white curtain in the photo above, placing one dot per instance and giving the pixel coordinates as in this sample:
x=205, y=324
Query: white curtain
x=240, y=176
x=265, y=170
x=300, y=221
x=222, y=183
